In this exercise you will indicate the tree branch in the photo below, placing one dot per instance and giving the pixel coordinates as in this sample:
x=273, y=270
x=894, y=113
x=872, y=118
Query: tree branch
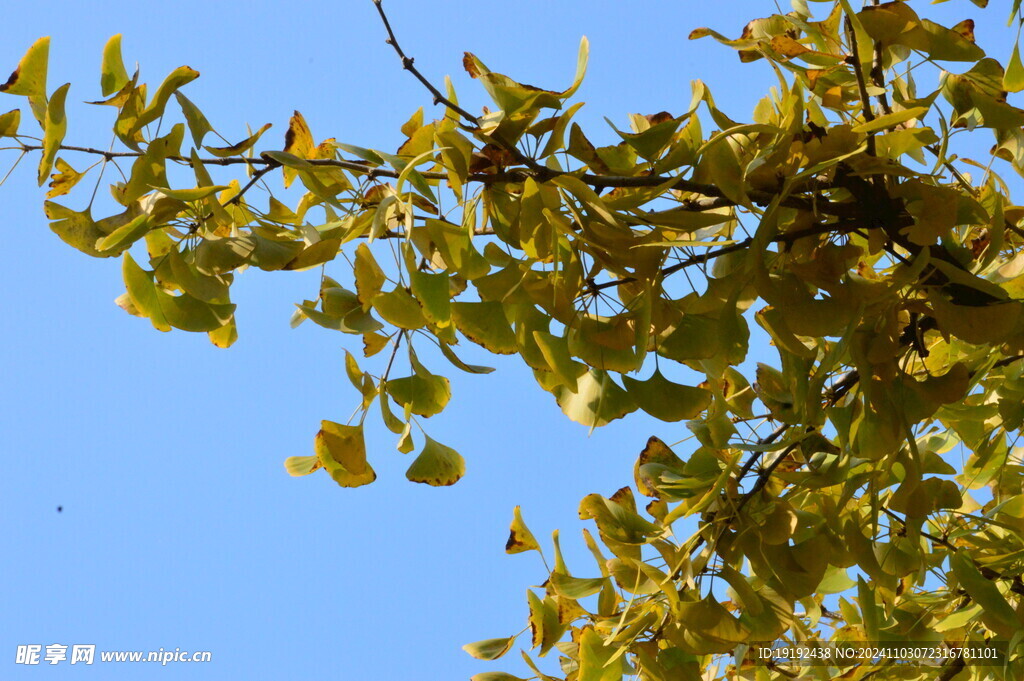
x=788, y=237
x=858, y=70
x=408, y=65
x=715, y=197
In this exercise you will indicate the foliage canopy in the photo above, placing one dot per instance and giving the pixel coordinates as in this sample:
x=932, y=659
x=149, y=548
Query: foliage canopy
x=865, y=486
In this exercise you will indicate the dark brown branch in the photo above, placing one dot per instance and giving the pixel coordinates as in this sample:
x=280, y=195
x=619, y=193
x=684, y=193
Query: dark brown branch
x=788, y=237
x=926, y=535
x=256, y=177
x=775, y=434
x=951, y=669
x=407, y=64
x=715, y=197
x=765, y=474
x=854, y=60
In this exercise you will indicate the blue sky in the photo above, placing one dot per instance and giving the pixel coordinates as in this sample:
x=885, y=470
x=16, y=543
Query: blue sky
x=180, y=528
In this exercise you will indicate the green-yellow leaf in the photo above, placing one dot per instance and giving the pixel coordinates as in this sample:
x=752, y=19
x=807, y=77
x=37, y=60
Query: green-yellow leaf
x=891, y=120
x=302, y=465
x=399, y=308
x=999, y=614
x=63, y=180
x=342, y=451
x=576, y=587
x=423, y=392
x=436, y=465
x=368, y=275
x=1013, y=79
x=113, y=75
x=485, y=324
x=666, y=400
x=77, y=229
x=125, y=235
x=142, y=292
x=9, y=123
x=29, y=78
x=56, y=125
x=198, y=126
x=596, y=401
x=241, y=147
x=520, y=538
x=176, y=79
x=490, y=649
x=495, y=676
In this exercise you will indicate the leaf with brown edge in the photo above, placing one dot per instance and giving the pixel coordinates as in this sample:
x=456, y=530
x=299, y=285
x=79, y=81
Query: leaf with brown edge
x=63, y=180
x=436, y=465
x=470, y=63
x=966, y=29
x=545, y=627
x=29, y=79
x=520, y=539
x=655, y=458
x=241, y=147
x=342, y=451
x=373, y=343
x=298, y=140
x=486, y=325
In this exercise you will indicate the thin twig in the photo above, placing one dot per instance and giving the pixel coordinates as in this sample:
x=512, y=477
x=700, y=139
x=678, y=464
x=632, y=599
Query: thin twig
x=408, y=65
x=764, y=475
x=854, y=60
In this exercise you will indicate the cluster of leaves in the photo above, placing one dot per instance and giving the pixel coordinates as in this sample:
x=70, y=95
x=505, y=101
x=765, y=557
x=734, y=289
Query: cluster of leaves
x=890, y=283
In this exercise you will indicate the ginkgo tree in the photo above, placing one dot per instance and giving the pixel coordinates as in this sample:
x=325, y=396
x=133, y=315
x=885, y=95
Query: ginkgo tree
x=819, y=502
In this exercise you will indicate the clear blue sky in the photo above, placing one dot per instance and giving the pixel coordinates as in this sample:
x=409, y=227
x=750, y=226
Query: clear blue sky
x=180, y=528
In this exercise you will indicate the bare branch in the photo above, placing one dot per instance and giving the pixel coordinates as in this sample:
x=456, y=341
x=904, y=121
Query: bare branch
x=408, y=65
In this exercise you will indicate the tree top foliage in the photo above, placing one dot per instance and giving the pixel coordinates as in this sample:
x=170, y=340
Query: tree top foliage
x=863, y=486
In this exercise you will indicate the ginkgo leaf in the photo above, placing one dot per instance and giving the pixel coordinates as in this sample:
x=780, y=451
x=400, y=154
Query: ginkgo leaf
x=666, y=400
x=63, y=180
x=342, y=451
x=520, y=538
x=398, y=307
x=424, y=393
x=198, y=126
x=9, y=123
x=29, y=78
x=485, y=324
x=495, y=676
x=55, y=127
x=240, y=147
x=596, y=401
x=113, y=75
x=436, y=465
x=302, y=465
x=490, y=649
